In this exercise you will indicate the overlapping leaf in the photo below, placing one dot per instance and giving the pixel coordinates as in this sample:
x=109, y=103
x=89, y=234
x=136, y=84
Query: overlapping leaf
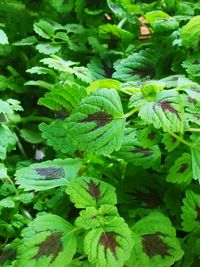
x=136, y=67
x=165, y=110
x=63, y=97
x=190, y=33
x=48, y=174
x=109, y=246
x=97, y=123
x=132, y=151
x=191, y=211
x=48, y=241
x=90, y=192
x=155, y=242
x=181, y=171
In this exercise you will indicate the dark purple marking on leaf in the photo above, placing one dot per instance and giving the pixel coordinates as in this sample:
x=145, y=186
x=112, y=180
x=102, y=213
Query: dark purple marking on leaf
x=174, y=79
x=197, y=116
x=61, y=114
x=191, y=100
x=108, y=241
x=168, y=106
x=198, y=214
x=153, y=245
x=151, y=199
x=183, y=168
x=51, y=173
x=145, y=151
x=151, y=135
x=51, y=246
x=143, y=73
x=8, y=254
x=101, y=118
x=108, y=71
x=94, y=190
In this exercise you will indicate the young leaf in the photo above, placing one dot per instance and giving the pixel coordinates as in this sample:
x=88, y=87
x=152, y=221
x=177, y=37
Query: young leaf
x=89, y=192
x=109, y=246
x=191, y=211
x=181, y=171
x=44, y=29
x=48, y=174
x=97, y=123
x=155, y=242
x=48, y=241
x=92, y=218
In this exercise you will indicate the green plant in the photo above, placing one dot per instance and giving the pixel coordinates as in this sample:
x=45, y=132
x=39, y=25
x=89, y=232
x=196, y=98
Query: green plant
x=100, y=155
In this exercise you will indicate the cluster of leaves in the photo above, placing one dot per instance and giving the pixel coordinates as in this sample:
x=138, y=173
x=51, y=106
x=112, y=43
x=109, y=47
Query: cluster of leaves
x=99, y=133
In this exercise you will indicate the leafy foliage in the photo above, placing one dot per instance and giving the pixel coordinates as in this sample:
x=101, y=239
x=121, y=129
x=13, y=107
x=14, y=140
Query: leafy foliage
x=99, y=133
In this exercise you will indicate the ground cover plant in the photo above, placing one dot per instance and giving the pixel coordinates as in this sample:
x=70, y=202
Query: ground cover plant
x=99, y=133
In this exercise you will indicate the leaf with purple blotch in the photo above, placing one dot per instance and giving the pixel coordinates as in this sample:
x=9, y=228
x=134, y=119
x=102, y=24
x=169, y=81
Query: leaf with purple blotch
x=47, y=174
x=109, y=245
x=90, y=192
x=48, y=241
x=181, y=171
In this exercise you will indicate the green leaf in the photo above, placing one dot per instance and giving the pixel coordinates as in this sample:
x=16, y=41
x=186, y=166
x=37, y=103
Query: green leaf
x=165, y=110
x=48, y=174
x=155, y=242
x=181, y=171
x=48, y=49
x=59, y=64
x=190, y=211
x=7, y=141
x=57, y=136
x=109, y=246
x=3, y=38
x=97, y=123
x=136, y=67
x=43, y=29
x=190, y=33
x=90, y=192
x=105, y=83
x=48, y=241
x=92, y=218
x=30, y=40
x=63, y=97
x=153, y=16
x=132, y=151
x=192, y=65
x=195, y=150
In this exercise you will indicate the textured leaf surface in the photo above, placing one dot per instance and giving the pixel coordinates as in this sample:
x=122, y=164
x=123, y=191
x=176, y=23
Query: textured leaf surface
x=165, y=111
x=63, y=97
x=92, y=218
x=190, y=33
x=196, y=160
x=48, y=241
x=132, y=151
x=155, y=242
x=135, y=67
x=48, y=174
x=191, y=211
x=109, y=246
x=90, y=192
x=97, y=123
x=181, y=171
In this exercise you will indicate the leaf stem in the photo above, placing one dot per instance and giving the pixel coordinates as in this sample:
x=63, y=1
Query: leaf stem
x=35, y=118
x=130, y=113
x=121, y=23
x=194, y=130
x=189, y=144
